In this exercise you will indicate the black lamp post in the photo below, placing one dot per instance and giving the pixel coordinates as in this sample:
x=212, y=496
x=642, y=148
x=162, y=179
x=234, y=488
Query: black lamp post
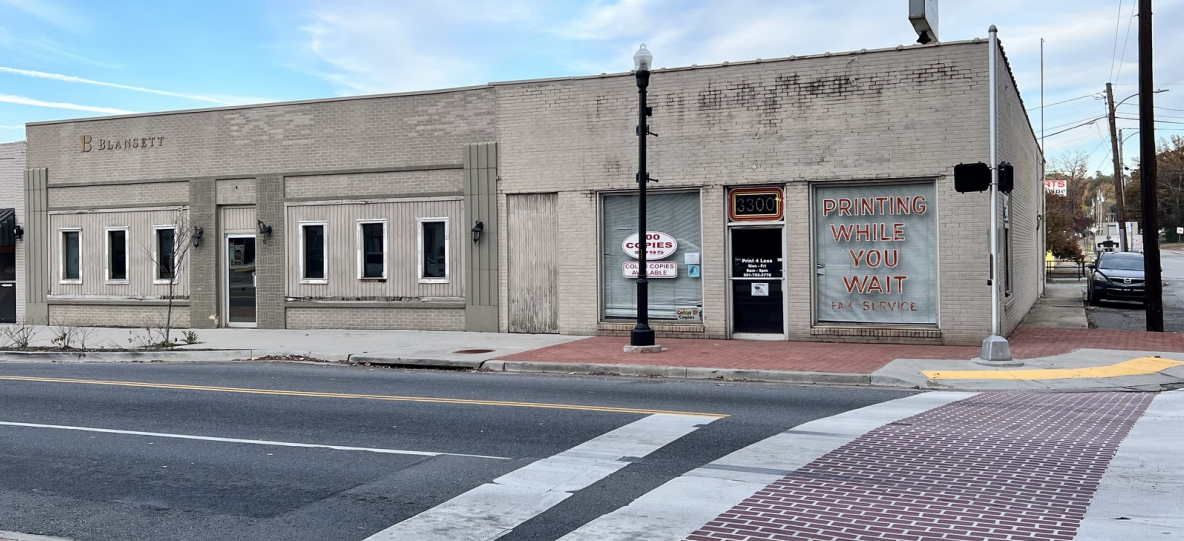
x=642, y=334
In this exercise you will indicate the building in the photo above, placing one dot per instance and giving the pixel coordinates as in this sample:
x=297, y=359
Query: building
x=801, y=198
x=12, y=253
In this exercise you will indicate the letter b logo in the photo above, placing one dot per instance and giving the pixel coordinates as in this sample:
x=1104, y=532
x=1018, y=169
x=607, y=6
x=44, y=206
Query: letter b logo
x=86, y=143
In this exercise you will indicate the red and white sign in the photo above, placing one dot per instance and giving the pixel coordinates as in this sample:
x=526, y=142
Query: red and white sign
x=658, y=245
x=653, y=269
x=1056, y=186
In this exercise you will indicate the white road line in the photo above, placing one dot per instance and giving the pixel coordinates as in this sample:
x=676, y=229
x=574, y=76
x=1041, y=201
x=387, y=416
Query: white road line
x=676, y=509
x=494, y=509
x=1141, y=495
x=251, y=442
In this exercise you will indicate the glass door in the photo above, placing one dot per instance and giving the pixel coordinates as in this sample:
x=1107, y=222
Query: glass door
x=758, y=298
x=7, y=283
x=240, y=281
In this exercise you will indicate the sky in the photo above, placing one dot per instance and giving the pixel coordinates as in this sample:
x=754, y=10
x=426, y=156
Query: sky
x=62, y=59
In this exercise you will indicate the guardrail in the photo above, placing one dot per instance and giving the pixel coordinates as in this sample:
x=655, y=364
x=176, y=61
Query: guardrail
x=1064, y=269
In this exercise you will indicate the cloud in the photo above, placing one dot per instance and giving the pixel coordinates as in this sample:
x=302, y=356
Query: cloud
x=222, y=100
x=51, y=12
x=17, y=127
x=21, y=100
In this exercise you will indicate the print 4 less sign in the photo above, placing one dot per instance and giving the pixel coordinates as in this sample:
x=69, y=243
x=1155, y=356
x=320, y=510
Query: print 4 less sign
x=876, y=249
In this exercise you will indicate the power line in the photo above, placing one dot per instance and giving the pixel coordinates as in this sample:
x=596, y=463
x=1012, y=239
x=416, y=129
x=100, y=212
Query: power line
x=1125, y=40
x=1077, y=126
x=1157, y=121
x=1066, y=101
x=1114, y=52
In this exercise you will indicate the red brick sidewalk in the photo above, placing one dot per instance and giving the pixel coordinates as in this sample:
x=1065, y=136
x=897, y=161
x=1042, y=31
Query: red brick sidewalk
x=1026, y=343
x=1006, y=467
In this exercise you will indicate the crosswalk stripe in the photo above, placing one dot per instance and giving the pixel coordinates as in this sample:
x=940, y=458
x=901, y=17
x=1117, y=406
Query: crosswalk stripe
x=494, y=509
x=676, y=509
x=1144, y=483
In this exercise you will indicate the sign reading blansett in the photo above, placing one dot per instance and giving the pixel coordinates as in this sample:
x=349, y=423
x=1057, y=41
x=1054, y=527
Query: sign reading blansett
x=658, y=245
x=89, y=143
x=876, y=253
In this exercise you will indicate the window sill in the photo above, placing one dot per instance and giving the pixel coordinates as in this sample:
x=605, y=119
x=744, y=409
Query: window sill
x=70, y=282
x=317, y=281
x=117, y=282
x=434, y=280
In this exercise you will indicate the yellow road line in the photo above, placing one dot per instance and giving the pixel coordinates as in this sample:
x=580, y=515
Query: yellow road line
x=1134, y=367
x=390, y=398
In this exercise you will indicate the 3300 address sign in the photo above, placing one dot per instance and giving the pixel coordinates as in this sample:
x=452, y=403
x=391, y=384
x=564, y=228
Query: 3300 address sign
x=755, y=204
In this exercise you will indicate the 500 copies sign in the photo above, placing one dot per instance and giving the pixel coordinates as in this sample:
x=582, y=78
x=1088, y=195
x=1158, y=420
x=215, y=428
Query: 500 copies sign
x=658, y=245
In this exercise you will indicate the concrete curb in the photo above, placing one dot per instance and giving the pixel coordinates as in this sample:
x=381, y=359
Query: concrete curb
x=16, y=536
x=471, y=364
x=681, y=372
x=524, y=367
x=224, y=355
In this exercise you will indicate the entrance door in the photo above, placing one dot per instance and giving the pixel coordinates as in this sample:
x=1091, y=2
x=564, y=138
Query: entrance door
x=240, y=281
x=534, y=263
x=7, y=283
x=758, y=298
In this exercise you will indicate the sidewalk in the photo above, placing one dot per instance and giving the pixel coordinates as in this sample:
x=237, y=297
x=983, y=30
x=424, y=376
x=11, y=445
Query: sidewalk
x=1057, y=350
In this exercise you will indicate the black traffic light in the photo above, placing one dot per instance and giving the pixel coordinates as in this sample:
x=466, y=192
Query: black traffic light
x=1006, y=177
x=972, y=177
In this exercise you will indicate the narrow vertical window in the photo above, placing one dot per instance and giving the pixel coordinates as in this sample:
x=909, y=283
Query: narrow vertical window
x=433, y=263
x=117, y=255
x=71, y=256
x=373, y=249
x=165, y=254
x=313, y=248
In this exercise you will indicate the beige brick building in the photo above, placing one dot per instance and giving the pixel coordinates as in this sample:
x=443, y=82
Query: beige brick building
x=806, y=198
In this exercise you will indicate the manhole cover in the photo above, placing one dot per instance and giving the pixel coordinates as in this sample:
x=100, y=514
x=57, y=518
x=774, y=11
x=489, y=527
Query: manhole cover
x=474, y=351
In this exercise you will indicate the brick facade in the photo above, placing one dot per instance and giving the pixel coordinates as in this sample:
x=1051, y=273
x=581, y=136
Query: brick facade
x=894, y=115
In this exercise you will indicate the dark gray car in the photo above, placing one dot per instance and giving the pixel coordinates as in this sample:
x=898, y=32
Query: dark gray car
x=1117, y=276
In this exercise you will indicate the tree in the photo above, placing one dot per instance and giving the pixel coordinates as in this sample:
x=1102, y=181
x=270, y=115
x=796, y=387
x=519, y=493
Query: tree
x=1169, y=161
x=169, y=252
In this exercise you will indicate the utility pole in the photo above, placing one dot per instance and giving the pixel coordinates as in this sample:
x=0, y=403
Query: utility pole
x=1151, y=271
x=1118, y=195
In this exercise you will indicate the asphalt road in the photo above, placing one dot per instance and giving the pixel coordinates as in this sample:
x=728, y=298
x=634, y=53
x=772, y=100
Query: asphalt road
x=92, y=462
x=1132, y=316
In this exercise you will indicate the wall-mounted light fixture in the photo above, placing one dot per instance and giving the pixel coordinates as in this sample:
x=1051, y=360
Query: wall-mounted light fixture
x=18, y=232
x=197, y=234
x=477, y=229
x=264, y=230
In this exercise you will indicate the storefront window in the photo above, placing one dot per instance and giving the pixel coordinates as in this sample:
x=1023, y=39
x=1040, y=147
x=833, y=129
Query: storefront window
x=677, y=216
x=876, y=253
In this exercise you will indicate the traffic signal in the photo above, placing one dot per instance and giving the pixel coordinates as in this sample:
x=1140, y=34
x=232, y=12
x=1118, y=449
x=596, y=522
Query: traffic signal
x=1006, y=177
x=972, y=177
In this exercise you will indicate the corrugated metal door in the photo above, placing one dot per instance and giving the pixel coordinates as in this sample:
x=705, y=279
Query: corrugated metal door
x=533, y=263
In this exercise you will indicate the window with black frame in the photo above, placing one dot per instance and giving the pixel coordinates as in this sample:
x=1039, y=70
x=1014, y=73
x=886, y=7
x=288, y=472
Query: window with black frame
x=71, y=255
x=165, y=254
x=373, y=249
x=314, y=251
x=116, y=255
x=435, y=263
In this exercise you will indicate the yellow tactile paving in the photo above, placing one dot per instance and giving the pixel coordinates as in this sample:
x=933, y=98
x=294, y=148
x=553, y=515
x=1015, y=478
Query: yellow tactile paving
x=1134, y=367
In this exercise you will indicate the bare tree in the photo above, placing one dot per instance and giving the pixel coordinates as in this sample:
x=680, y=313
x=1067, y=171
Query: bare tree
x=169, y=253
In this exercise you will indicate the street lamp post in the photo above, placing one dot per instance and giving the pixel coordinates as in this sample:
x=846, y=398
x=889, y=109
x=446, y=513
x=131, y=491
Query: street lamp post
x=642, y=334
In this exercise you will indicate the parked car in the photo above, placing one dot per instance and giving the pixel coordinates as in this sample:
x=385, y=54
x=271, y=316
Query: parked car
x=1117, y=276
